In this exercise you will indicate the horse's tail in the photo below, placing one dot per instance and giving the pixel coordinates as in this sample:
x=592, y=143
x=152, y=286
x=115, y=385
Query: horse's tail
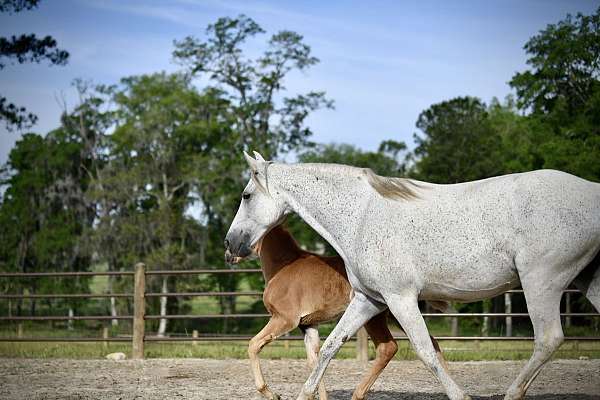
x=588, y=281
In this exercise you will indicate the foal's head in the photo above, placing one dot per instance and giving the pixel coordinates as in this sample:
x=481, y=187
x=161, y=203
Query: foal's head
x=261, y=208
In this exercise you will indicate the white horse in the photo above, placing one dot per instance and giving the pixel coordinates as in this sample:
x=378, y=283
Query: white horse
x=404, y=241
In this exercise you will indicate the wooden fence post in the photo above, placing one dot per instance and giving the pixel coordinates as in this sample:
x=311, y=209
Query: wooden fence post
x=19, y=330
x=195, y=336
x=362, y=346
x=139, y=311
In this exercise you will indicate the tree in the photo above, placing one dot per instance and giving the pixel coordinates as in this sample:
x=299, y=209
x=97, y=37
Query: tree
x=261, y=117
x=457, y=143
x=22, y=199
x=24, y=49
x=159, y=155
x=565, y=66
x=521, y=138
x=89, y=124
x=562, y=93
x=263, y=121
x=43, y=212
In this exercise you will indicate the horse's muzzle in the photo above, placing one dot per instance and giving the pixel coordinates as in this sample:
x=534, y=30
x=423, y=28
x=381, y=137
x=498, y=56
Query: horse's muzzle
x=237, y=248
x=231, y=259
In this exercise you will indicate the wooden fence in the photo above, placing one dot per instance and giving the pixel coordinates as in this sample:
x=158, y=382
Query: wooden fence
x=139, y=295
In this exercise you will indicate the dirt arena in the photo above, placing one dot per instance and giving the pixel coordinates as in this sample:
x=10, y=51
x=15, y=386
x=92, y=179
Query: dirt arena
x=230, y=379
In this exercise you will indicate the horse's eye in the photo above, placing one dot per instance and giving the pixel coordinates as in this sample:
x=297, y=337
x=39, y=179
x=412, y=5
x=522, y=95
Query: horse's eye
x=246, y=196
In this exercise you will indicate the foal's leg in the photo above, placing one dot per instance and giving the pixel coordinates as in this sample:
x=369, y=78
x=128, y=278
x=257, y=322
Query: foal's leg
x=360, y=310
x=406, y=310
x=385, y=346
x=311, y=342
x=276, y=327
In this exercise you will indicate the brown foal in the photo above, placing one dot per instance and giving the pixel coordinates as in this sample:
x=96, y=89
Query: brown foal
x=302, y=290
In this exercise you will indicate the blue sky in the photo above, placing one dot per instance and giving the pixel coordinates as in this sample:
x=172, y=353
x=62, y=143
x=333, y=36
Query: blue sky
x=383, y=62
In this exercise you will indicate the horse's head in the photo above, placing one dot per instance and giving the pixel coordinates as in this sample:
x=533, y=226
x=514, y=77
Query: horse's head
x=261, y=208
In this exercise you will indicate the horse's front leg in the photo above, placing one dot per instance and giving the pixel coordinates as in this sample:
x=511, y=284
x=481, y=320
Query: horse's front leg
x=360, y=310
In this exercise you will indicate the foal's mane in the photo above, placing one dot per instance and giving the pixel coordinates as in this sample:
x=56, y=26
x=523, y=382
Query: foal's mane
x=391, y=188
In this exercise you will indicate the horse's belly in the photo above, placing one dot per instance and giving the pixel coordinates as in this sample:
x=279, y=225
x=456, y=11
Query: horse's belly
x=476, y=282
x=449, y=292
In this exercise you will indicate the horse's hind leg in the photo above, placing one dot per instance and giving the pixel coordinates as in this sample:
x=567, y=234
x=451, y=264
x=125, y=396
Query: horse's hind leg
x=386, y=348
x=543, y=305
x=276, y=327
x=311, y=342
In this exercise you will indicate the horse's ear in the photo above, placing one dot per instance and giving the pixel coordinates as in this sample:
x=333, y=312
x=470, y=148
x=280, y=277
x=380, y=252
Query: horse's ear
x=259, y=157
x=252, y=163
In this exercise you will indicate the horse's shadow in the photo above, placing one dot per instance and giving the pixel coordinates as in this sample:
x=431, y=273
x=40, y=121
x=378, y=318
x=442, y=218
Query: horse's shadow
x=389, y=395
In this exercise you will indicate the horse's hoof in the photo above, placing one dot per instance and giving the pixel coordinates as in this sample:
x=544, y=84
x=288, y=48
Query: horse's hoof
x=514, y=394
x=459, y=396
x=304, y=396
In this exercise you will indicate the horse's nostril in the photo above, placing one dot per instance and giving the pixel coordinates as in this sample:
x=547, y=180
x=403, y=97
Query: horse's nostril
x=226, y=243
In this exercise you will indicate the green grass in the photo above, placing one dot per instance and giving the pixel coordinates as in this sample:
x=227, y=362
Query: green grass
x=453, y=350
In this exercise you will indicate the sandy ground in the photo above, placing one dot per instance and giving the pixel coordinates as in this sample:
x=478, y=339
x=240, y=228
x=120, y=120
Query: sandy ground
x=230, y=379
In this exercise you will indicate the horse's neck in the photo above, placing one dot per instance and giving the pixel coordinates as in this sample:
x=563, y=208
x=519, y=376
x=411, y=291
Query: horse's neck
x=330, y=198
x=278, y=249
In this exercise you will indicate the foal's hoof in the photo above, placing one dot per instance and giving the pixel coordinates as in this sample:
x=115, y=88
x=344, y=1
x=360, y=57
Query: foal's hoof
x=266, y=393
x=273, y=396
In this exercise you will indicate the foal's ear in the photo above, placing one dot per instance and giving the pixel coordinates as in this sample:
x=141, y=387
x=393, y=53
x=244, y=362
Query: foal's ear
x=252, y=163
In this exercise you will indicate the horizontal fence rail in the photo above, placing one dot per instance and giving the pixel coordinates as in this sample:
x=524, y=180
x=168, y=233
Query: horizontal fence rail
x=138, y=336
x=126, y=273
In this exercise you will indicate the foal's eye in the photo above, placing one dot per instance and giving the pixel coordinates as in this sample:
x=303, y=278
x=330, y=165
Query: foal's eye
x=246, y=196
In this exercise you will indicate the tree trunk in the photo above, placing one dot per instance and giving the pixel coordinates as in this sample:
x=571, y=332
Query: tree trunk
x=20, y=302
x=453, y=321
x=32, y=304
x=485, y=327
x=113, y=312
x=508, y=310
x=70, y=322
x=113, y=302
x=228, y=306
x=162, y=326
